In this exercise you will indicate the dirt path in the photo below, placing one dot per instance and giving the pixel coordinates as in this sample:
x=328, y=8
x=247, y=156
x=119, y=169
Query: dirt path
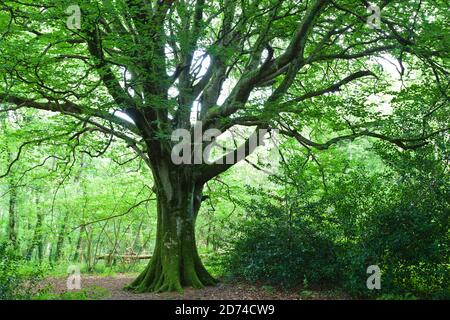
x=115, y=284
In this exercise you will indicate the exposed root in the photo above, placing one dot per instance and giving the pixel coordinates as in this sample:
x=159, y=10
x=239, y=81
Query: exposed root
x=173, y=278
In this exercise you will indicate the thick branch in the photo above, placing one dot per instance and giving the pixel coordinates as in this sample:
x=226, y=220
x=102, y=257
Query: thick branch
x=403, y=143
x=67, y=107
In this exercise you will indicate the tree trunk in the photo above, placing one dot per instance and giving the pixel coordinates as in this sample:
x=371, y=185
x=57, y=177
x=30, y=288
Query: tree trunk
x=175, y=261
x=12, y=220
x=37, y=237
x=12, y=230
x=61, y=238
x=77, y=253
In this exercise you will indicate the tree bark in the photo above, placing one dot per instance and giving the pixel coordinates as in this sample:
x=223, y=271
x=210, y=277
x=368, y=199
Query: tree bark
x=77, y=253
x=61, y=238
x=12, y=220
x=175, y=261
x=12, y=230
x=37, y=237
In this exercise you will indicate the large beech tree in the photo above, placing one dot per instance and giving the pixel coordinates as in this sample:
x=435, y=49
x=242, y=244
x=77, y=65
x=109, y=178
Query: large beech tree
x=137, y=70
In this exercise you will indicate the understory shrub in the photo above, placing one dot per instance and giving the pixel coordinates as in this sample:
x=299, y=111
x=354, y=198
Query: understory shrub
x=18, y=278
x=402, y=227
x=279, y=249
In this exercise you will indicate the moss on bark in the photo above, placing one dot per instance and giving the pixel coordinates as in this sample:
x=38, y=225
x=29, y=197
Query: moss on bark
x=175, y=262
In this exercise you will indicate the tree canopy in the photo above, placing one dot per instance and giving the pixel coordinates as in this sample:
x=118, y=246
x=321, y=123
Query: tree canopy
x=320, y=73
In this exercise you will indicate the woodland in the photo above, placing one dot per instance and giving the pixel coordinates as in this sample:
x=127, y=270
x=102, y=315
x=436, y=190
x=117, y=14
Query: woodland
x=265, y=149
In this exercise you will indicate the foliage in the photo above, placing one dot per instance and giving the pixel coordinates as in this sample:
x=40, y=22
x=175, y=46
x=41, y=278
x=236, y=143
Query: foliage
x=89, y=293
x=17, y=279
x=87, y=115
x=282, y=249
x=397, y=218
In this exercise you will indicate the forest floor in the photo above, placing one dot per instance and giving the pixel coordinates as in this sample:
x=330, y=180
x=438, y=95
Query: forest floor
x=112, y=288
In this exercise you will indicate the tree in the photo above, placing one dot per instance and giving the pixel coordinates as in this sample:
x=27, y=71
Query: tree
x=13, y=193
x=138, y=70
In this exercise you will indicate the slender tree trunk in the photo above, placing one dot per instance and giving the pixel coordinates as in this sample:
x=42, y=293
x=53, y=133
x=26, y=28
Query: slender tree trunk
x=12, y=217
x=175, y=261
x=12, y=220
x=80, y=189
x=37, y=237
x=136, y=245
x=61, y=238
x=77, y=253
x=88, y=254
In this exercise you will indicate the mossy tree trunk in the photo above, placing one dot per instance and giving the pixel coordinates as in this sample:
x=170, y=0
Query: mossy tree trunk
x=37, y=242
x=12, y=219
x=175, y=262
